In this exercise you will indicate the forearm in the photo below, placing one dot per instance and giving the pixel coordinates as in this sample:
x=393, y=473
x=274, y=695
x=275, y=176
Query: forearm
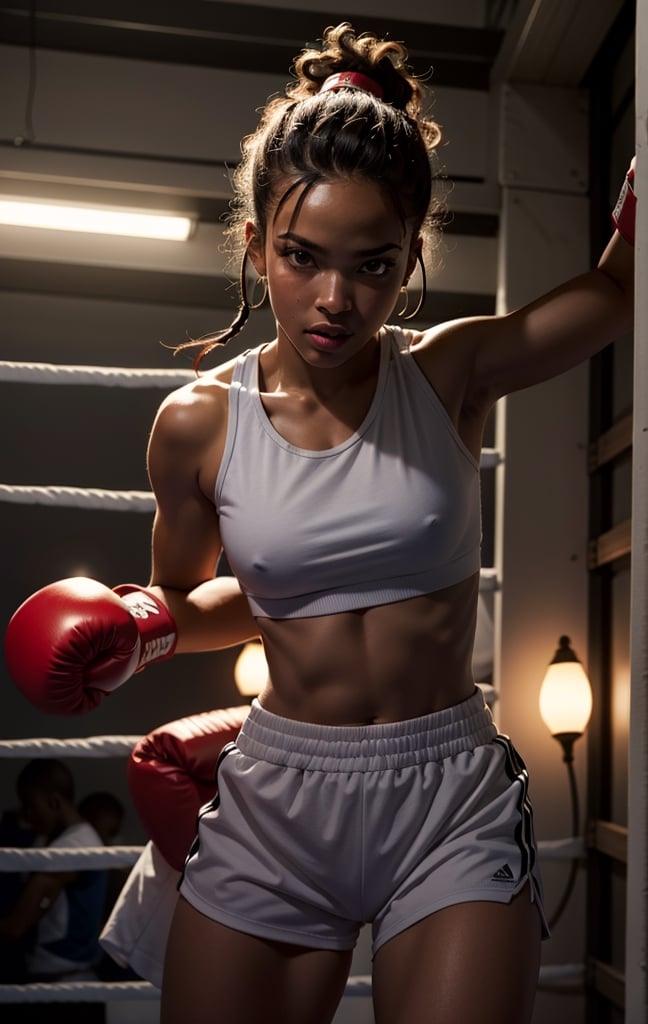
x=35, y=900
x=213, y=615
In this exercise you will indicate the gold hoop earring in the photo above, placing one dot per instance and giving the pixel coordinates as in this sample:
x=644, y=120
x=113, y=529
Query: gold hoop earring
x=405, y=296
x=263, y=281
x=422, y=296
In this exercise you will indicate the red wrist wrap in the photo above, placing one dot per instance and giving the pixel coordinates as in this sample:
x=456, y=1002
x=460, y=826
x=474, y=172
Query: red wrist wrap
x=157, y=630
x=624, y=213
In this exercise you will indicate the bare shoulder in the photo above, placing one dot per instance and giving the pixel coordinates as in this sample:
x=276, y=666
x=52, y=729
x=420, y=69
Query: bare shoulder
x=454, y=336
x=189, y=435
x=196, y=412
x=446, y=354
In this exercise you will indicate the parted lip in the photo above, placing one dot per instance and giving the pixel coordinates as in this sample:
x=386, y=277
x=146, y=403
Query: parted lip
x=330, y=330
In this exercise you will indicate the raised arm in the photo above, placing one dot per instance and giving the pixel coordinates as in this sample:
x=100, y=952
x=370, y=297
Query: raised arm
x=561, y=329
x=474, y=362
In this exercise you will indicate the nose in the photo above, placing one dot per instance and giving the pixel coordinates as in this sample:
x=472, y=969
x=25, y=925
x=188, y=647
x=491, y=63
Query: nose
x=334, y=293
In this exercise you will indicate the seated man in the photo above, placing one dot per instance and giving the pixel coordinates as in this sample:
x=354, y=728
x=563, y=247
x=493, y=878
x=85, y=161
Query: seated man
x=64, y=907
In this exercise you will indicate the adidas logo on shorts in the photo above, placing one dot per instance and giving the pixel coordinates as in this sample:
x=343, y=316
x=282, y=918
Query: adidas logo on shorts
x=503, y=874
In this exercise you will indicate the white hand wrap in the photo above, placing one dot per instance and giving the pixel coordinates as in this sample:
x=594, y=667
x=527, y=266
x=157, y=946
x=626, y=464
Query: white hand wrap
x=624, y=213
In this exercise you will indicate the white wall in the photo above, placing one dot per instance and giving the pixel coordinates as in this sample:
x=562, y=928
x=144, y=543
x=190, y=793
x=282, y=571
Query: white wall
x=542, y=534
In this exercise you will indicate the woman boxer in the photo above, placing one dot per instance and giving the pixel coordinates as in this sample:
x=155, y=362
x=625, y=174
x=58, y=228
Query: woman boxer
x=337, y=465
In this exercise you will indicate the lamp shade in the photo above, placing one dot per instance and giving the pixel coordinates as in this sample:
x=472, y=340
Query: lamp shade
x=251, y=669
x=566, y=694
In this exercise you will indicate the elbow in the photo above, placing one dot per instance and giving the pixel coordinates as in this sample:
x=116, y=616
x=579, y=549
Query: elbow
x=621, y=291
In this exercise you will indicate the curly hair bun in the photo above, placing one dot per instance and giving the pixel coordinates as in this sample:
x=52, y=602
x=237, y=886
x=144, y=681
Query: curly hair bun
x=384, y=61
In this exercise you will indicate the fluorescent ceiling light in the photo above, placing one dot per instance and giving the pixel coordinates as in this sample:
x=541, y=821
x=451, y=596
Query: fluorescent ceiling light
x=98, y=220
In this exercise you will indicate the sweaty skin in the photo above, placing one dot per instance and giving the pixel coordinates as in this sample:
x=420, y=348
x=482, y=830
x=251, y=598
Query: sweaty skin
x=335, y=262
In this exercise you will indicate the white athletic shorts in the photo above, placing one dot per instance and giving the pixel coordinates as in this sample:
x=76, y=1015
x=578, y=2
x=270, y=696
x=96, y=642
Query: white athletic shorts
x=317, y=830
x=135, y=935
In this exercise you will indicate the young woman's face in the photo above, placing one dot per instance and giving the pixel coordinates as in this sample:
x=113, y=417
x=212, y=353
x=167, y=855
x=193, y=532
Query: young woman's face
x=336, y=256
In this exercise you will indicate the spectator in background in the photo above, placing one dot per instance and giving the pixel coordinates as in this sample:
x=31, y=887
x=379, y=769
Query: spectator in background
x=14, y=832
x=63, y=908
x=105, y=813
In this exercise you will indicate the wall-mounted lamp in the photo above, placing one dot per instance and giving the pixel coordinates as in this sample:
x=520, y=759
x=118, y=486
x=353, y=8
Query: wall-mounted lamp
x=566, y=698
x=566, y=706
x=102, y=220
x=251, y=669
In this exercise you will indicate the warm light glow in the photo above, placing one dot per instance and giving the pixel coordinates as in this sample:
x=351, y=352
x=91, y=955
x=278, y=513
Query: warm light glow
x=566, y=698
x=105, y=221
x=251, y=669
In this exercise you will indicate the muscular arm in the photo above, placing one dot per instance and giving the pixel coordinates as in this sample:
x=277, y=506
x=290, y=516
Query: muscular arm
x=475, y=361
x=561, y=329
x=210, y=613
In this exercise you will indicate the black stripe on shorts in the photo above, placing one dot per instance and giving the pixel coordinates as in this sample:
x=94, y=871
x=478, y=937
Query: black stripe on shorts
x=516, y=771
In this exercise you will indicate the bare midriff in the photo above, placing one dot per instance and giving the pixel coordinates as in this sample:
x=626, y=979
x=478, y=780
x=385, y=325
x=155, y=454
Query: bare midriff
x=374, y=665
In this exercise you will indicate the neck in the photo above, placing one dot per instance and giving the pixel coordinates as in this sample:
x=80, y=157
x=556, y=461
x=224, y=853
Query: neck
x=284, y=370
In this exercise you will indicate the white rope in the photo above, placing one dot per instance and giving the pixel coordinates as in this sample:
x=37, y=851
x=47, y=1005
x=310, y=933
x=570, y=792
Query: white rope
x=562, y=849
x=104, y=376
x=91, y=746
x=488, y=579
x=58, y=858
x=490, y=458
x=78, y=992
x=93, y=497
x=123, y=501
x=78, y=497
x=358, y=986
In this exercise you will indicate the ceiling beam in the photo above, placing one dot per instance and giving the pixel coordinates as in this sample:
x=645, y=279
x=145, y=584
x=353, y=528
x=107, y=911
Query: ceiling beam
x=235, y=36
x=553, y=42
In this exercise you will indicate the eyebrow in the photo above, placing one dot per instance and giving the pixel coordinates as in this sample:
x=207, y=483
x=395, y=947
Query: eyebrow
x=378, y=251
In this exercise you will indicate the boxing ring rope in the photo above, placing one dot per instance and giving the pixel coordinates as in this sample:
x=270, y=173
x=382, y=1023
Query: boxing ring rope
x=91, y=746
x=61, y=859
x=58, y=859
x=42, y=858
x=95, y=498
x=12, y=372
x=119, y=991
x=78, y=497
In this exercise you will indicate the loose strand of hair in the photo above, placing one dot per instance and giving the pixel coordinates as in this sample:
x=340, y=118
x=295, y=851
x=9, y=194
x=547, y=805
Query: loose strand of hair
x=208, y=342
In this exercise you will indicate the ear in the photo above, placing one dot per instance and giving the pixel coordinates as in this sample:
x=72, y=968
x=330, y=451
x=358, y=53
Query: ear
x=416, y=249
x=255, y=247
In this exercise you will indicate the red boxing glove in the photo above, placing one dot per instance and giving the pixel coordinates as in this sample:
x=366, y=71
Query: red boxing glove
x=624, y=213
x=172, y=773
x=76, y=640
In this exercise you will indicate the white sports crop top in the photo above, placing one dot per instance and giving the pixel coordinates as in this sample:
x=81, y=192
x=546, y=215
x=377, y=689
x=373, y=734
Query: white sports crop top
x=391, y=513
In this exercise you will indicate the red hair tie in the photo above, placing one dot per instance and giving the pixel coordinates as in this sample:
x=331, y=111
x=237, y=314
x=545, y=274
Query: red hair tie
x=352, y=80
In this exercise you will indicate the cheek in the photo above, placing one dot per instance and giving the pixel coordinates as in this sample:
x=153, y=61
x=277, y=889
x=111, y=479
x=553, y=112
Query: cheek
x=380, y=295
x=287, y=288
